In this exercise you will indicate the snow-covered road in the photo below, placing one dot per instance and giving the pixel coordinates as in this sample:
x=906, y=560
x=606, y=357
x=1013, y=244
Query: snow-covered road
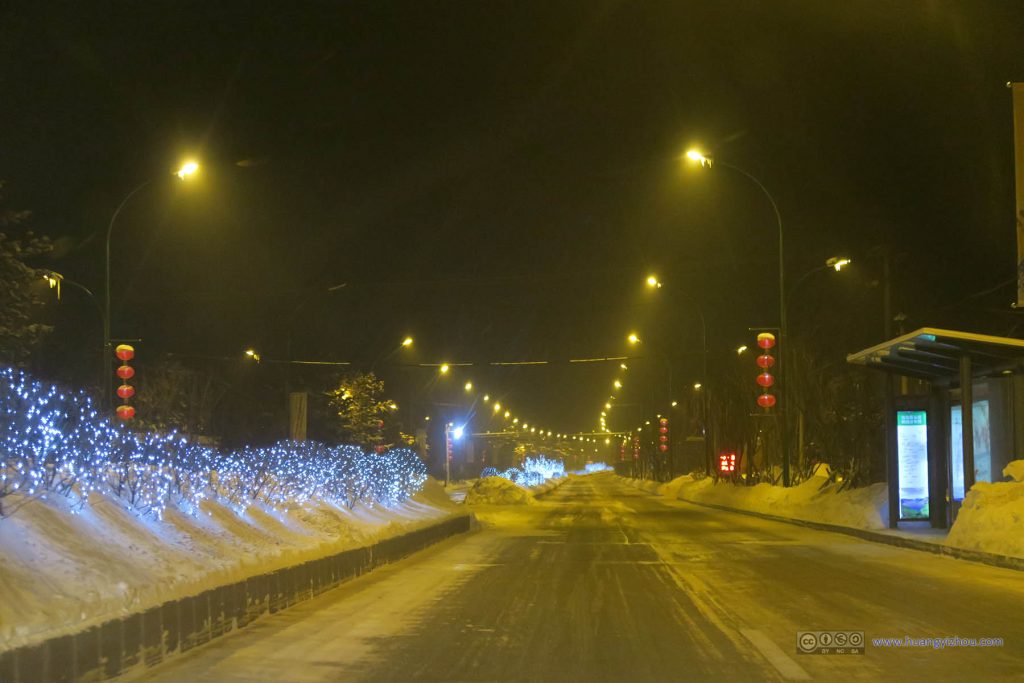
x=601, y=582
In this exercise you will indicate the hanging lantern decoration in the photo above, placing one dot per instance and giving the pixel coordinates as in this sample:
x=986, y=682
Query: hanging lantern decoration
x=766, y=340
x=663, y=437
x=765, y=380
x=125, y=372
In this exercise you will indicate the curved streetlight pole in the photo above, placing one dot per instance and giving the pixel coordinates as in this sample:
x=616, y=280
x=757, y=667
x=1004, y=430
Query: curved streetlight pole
x=709, y=162
x=184, y=172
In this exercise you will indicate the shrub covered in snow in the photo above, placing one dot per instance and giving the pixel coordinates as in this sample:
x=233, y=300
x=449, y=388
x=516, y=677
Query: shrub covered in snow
x=53, y=442
x=498, y=491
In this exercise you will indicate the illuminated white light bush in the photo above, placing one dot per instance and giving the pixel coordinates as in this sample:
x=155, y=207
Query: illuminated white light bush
x=535, y=471
x=592, y=467
x=54, y=442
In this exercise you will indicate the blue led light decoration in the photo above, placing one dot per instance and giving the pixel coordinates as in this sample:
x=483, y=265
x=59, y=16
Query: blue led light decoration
x=54, y=442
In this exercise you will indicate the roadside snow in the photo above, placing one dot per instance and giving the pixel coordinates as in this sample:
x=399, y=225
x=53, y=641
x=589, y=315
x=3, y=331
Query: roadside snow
x=62, y=570
x=864, y=508
x=992, y=516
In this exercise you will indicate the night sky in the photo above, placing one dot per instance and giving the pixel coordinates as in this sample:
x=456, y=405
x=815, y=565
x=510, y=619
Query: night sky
x=497, y=178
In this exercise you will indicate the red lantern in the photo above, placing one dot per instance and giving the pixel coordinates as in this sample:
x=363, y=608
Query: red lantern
x=766, y=340
x=124, y=352
x=663, y=430
x=125, y=391
x=125, y=372
x=125, y=412
x=765, y=361
x=765, y=380
x=663, y=448
x=766, y=401
x=663, y=438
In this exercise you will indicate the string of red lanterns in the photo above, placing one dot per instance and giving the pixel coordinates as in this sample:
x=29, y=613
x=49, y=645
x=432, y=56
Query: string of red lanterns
x=125, y=372
x=765, y=340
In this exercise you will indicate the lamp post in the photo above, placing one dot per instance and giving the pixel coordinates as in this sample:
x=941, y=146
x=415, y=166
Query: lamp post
x=708, y=162
x=654, y=283
x=187, y=170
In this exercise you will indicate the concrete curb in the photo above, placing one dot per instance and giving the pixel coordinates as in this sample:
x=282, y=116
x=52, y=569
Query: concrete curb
x=147, y=638
x=1004, y=561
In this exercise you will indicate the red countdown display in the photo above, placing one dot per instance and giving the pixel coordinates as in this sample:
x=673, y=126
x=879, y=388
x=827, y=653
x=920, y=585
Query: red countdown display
x=726, y=463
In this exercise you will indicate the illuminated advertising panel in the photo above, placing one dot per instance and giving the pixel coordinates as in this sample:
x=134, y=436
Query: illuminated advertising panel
x=912, y=454
x=982, y=446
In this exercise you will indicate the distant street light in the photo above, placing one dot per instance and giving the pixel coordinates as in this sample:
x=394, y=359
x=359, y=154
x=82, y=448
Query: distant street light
x=742, y=349
x=444, y=368
x=469, y=386
x=407, y=342
x=253, y=355
x=652, y=282
x=697, y=386
x=633, y=338
x=617, y=384
x=188, y=169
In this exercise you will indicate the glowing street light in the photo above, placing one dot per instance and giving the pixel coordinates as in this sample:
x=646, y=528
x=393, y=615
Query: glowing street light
x=187, y=169
x=623, y=366
x=253, y=355
x=741, y=349
x=444, y=368
x=497, y=407
x=838, y=263
x=407, y=342
x=652, y=282
x=696, y=155
x=617, y=384
x=697, y=386
x=607, y=406
x=469, y=386
x=487, y=397
x=633, y=338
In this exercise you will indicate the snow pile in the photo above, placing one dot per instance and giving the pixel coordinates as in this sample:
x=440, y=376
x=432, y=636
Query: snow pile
x=812, y=500
x=97, y=521
x=498, y=491
x=62, y=570
x=992, y=517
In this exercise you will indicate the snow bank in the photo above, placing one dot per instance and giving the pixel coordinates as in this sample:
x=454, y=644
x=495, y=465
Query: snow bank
x=992, y=516
x=63, y=569
x=498, y=491
x=864, y=508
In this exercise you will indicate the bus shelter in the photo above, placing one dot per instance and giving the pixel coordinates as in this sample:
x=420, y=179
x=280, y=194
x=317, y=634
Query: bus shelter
x=936, y=450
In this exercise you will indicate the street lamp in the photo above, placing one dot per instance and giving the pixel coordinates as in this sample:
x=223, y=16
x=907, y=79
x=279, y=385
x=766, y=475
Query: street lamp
x=633, y=338
x=187, y=170
x=708, y=162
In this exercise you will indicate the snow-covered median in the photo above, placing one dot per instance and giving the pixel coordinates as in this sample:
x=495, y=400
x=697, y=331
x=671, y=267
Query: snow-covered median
x=63, y=569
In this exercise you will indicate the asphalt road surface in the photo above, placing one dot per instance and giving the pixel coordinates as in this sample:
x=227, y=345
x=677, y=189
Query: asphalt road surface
x=601, y=582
